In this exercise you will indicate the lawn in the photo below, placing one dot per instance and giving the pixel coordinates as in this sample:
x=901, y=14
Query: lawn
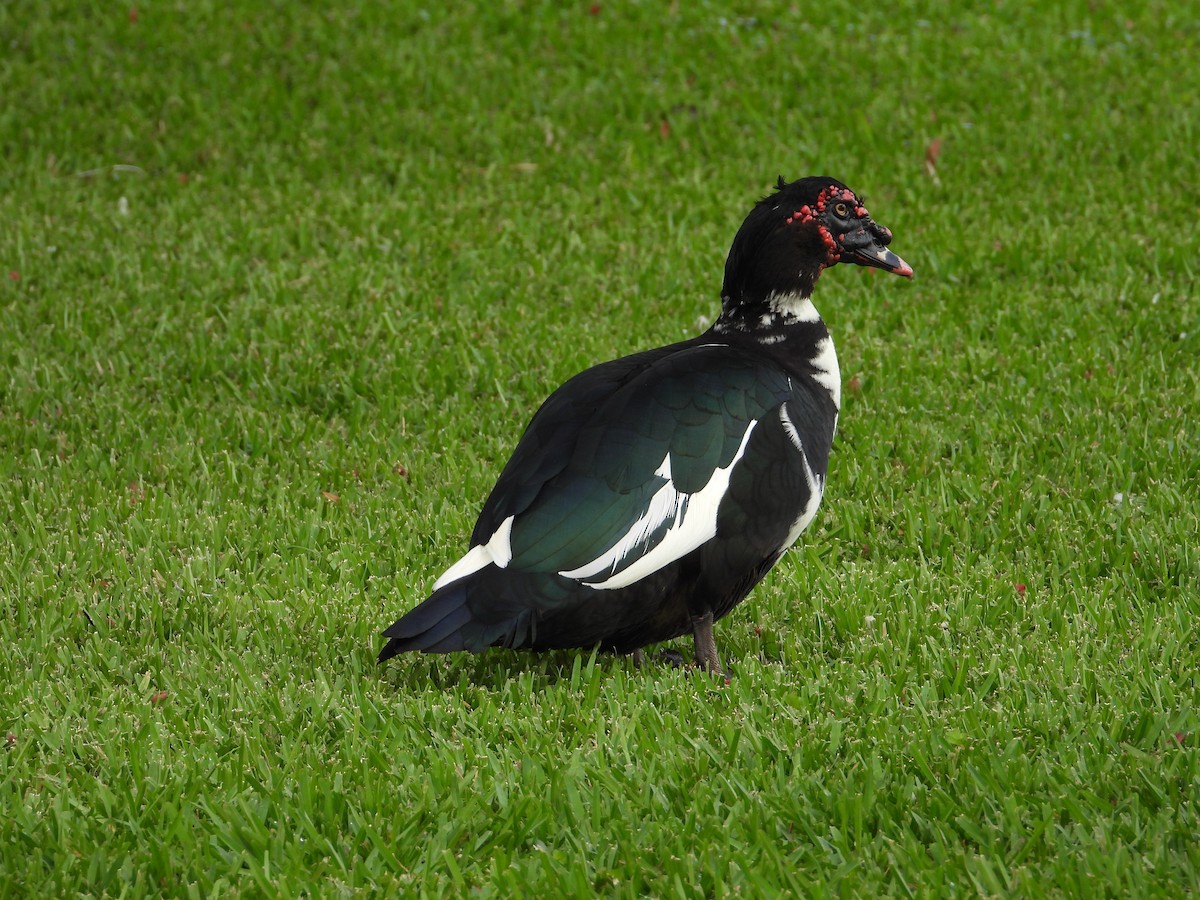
x=280, y=285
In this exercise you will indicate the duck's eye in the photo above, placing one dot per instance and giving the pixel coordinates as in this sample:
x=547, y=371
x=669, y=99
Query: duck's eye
x=842, y=210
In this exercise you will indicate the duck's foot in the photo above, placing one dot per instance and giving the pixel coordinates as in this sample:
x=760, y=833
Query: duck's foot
x=672, y=658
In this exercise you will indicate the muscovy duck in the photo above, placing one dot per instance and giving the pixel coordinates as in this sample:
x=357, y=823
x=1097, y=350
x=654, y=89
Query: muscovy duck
x=650, y=494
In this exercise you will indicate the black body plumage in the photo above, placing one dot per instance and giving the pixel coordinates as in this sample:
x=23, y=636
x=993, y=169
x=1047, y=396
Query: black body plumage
x=650, y=494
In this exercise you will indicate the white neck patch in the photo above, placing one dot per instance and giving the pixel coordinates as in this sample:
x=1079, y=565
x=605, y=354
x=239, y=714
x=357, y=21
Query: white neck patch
x=794, y=307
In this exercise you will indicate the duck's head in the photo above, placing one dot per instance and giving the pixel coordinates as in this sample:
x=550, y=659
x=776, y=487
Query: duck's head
x=791, y=236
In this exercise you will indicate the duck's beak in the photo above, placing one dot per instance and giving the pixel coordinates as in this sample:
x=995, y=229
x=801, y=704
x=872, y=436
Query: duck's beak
x=868, y=247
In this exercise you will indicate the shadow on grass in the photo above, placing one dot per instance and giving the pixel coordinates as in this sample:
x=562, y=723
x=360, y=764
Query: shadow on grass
x=497, y=669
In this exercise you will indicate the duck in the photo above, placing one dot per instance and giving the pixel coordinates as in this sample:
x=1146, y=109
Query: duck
x=650, y=494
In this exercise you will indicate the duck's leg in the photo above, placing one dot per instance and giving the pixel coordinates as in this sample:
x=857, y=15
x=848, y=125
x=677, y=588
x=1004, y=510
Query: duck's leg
x=706, y=644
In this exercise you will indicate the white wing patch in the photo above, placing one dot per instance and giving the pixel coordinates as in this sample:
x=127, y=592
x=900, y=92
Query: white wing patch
x=667, y=504
x=827, y=373
x=692, y=518
x=497, y=550
x=816, y=486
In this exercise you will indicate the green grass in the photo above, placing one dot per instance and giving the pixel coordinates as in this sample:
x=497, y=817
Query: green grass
x=253, y=393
